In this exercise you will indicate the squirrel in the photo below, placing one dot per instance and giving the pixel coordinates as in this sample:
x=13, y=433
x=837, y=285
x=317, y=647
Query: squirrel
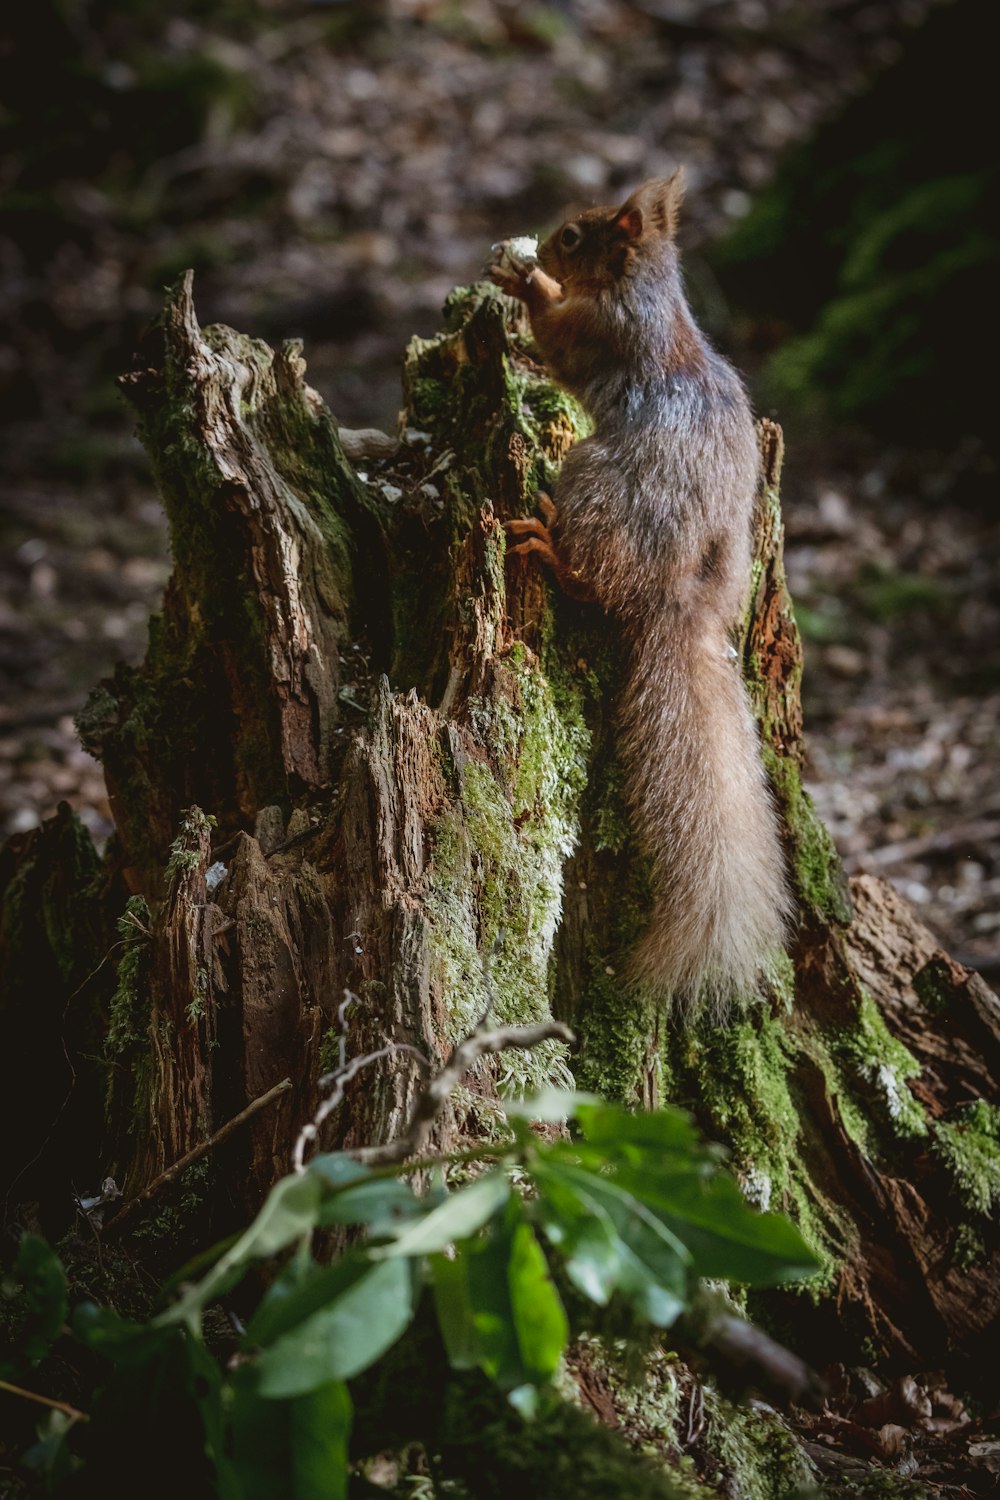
x=653, y=522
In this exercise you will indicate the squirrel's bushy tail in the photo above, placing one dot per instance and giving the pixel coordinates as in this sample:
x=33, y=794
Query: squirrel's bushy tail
x=704, y=811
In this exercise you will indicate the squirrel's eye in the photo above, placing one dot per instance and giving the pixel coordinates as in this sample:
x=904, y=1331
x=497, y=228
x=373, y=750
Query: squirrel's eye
x=570, y=237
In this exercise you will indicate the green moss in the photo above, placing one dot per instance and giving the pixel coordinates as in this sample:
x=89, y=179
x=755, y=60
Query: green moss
x=758, y=1456
x=498, y=851
x=612, y=824
x=195, y=1008
x=742, y=1084
x=816, y=867
x=460, y=304
x=746, y=1452
x=329, y=1051
x=648, y=1402
x=427, y=399
x=609, y=893
x=880, y=1484
x=883, y=1064
x=497, y=860
x=614, y=1025
x=935, y=985
x=562, y=1455
x=553, y=408
x=969, y=1247
x=552, y=420
x=185, y=852
x=175, y=1219
x=969, y=1146
x=842, y=1091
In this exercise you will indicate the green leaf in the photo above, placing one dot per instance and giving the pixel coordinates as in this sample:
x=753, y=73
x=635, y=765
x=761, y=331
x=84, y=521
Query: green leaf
x=460, y=1215
x=321, y=1429
x=524, y=1400
x=51, y=1458
x=497, y=1306
x=205, y=1385
x=538, y=1314
x=658, y=1131
x=579, y=1227
x=725, y=1236
x=106, y=1333
x=651, y=1264
x=383, y=1205
x=455, y=1312
x=160, y=1394
x=343, y=1338
x=337, y=1169
x=549, y=1104
x=291, y=1211
x=656, y=1158
x=40, y=1273
x=302, y=1289
x=197, y=1266
x=290, y=1450
x=359, y=1196
x=261, y=1439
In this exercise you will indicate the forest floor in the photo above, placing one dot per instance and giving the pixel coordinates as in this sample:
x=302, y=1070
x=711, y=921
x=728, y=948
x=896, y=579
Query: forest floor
x=346, y=181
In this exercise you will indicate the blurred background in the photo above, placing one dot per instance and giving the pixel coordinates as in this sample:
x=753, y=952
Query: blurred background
x=331, y=170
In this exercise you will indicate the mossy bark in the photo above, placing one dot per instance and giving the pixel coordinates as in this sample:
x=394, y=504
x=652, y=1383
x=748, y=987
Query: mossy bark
x=367, y=753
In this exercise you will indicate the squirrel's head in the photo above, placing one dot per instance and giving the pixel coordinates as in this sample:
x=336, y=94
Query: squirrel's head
x=602, y=245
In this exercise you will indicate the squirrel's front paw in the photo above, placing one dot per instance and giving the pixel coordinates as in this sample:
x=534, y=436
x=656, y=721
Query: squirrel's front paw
x=515, y=264
x=515, y=281
x=529, y=526
x=528, y=536
x=508, y=282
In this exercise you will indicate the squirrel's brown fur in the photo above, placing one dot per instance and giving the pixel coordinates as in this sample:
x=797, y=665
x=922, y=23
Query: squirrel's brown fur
x=654, y=522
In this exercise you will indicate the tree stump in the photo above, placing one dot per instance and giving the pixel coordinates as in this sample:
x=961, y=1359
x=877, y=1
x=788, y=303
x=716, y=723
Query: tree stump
x=367, y=755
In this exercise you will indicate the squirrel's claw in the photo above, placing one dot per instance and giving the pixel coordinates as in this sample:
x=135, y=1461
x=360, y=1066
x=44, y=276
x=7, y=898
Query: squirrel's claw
x=531, y=525
x=538, y=541
x=528, y=526
x=547, y=507
x=541, y=547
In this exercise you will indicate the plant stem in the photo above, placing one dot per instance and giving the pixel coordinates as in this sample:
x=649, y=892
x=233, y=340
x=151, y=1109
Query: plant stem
x=63, y=1406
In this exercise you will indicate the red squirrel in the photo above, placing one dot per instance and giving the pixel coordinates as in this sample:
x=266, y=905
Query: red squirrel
x=653, y=520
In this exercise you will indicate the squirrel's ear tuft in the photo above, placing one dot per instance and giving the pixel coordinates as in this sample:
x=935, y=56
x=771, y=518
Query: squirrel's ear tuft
x=653, y=207
x=671, y=198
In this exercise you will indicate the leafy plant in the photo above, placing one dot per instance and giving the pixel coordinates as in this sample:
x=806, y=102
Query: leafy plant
x=636, y=1207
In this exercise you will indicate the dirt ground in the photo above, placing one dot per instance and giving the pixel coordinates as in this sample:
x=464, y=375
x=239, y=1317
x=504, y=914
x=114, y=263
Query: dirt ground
x=358, y=176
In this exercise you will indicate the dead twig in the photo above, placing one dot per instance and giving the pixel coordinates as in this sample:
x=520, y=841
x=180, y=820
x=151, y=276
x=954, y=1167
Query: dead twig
x=70, y=1411
x=481, y=1043
x=181, y=1165
x=436, y=1094
x=741, y=1355
x=340, y=1079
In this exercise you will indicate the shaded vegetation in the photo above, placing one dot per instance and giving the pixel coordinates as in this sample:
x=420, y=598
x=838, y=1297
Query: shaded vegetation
x=876, y=246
